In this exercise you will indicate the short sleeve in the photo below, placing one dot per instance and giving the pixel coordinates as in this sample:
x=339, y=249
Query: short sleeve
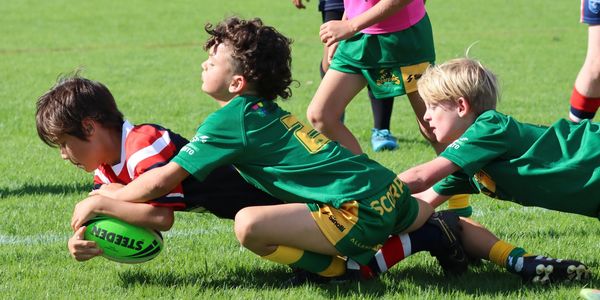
x=454, y=184
x=218, y=141
x=485, y=140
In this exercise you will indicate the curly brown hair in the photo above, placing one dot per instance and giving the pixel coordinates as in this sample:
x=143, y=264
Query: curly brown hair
x=261, y=54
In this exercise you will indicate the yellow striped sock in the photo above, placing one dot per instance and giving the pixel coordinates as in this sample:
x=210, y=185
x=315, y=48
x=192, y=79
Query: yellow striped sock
x=285, y=255
x=500, y=251
x=336, y=268
x=459, y=201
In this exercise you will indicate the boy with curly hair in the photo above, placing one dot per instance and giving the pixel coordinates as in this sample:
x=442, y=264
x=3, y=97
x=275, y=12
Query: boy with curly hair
x=337, y=203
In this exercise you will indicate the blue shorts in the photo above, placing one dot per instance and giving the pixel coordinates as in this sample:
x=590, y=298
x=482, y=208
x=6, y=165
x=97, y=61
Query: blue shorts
x=590, y=12
x=329, y=5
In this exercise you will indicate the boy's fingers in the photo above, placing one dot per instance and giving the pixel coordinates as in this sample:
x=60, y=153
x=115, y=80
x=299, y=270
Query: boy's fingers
x=79, y=233
x=88, y=247
x=76, y=224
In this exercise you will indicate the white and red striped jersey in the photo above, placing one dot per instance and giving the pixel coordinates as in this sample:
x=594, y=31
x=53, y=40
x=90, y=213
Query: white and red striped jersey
x=143, y=147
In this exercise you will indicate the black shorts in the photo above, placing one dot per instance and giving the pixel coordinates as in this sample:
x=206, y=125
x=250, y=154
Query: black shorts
x=329, y=15
x=223, y=193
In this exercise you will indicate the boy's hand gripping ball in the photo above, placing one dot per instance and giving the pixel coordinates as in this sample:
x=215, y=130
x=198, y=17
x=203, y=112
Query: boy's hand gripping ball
x=123, y=242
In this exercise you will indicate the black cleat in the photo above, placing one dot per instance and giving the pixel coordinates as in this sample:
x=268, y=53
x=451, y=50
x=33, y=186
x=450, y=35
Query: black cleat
x=301, y=277
x=544, y=270
x=451, y=256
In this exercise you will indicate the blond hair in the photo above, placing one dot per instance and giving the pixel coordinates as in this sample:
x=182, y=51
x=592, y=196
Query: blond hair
x=461, y=77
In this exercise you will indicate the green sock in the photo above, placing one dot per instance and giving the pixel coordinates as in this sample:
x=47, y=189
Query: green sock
x=463, y=212
x=322, y=264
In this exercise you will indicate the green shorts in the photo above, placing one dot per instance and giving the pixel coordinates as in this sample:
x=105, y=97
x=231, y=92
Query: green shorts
x=358, y=229
x=392, y=62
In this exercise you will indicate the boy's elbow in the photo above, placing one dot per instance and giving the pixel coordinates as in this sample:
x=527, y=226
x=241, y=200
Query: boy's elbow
x=167, y=222
x=164, y=220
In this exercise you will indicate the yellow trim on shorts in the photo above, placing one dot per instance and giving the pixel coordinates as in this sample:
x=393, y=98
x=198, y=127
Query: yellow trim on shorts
x=411, y=74
x=336, y=223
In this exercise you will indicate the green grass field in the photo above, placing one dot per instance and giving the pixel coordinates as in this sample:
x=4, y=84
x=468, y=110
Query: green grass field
x=149, y=53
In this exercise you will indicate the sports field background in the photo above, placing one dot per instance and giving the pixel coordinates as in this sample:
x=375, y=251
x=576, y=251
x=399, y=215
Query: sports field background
x=149, y=53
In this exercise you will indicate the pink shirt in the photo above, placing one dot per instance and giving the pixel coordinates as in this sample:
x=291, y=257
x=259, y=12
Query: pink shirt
x=405, y=18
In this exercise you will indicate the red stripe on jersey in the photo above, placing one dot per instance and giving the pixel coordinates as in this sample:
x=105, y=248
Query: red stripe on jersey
x=165, y=155
x=140, y=137
x=392, y=251
x=144, y=146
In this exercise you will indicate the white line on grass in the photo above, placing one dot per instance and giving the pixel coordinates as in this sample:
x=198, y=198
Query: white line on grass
x=50, y=238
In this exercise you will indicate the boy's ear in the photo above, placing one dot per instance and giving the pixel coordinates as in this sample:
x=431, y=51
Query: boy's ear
x=88, y=126
x=238, y=84
x=463, y=106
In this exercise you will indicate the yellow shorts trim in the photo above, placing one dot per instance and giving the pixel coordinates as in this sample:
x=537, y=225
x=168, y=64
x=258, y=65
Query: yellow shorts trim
x=410, y=75
x=336, y=223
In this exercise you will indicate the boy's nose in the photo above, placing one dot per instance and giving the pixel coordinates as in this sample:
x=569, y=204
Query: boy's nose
x=427, y=116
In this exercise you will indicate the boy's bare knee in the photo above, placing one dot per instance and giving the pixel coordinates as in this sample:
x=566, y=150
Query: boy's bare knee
x=321, y=121
x=245, y=223
x=315, y=117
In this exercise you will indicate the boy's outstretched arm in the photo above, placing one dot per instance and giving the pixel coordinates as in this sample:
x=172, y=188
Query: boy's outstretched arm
x=149, y=185
x=432, y=197
x=424, y=176
x=140, y=214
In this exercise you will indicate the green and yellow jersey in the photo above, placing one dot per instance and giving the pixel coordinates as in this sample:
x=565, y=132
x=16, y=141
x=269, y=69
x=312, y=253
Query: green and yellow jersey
x=556, y=167
x=277, y=153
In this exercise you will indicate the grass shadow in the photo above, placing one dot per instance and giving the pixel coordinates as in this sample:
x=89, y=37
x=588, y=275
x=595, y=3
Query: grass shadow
x=29, y=189
x=485, y=280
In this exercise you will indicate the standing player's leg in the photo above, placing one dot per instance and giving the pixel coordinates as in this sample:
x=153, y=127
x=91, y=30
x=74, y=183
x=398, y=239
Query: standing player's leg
x=327, y=107
x=585, y=99
x=381, y=136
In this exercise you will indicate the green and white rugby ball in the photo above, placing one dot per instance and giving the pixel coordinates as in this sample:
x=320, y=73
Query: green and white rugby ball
x=123, y=242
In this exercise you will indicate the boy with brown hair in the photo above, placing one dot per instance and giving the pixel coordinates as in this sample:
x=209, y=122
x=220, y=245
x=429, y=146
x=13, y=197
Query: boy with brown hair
x=81, y=118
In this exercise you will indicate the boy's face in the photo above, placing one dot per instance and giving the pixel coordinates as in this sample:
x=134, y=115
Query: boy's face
x=218, y=72
x=447, y=121
x=81, y=153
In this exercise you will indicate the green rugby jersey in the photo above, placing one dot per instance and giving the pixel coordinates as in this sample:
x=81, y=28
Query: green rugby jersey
x=556, y=167
x=277, y=153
